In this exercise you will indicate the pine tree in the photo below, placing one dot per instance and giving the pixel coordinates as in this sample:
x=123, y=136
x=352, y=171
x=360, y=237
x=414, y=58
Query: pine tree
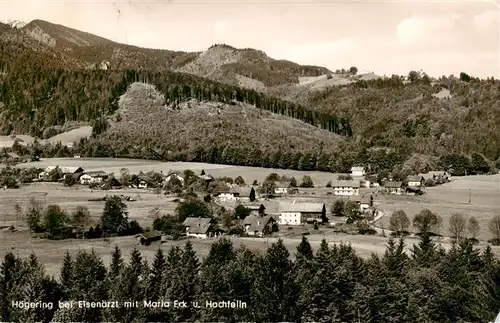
x=190, y=281
x=67, y=276
x=214, y=280
x=275, y=282
x=157, y=277
x=425, y=253
x=116, y=264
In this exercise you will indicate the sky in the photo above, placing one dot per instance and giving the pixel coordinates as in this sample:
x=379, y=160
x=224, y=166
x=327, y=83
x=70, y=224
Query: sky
x=386, y=37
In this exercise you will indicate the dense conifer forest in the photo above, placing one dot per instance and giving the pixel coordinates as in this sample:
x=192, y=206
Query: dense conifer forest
x=332, y=285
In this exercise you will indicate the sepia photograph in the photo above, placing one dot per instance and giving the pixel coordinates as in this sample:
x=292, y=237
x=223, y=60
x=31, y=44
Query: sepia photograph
x=250, y=161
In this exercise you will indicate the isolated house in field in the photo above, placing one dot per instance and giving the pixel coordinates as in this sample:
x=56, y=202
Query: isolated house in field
x=415, y=181
x=93, y=177
x=259, y=226
x=257, y=210
x=300, y=213
x=357, y=171
x=146, y=238
x=394, y=187
x=345, y=188
x=200, y=228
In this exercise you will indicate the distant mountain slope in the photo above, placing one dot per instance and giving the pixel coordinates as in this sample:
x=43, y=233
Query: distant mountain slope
x=224, y=63
x=243, y=67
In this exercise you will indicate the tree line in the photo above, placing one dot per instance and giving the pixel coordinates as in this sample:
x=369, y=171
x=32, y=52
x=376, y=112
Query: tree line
x=38, y=98
x=333, y=284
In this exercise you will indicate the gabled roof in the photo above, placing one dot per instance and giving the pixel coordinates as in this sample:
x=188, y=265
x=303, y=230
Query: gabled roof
x=393, y=184
x=345, y=183
x=241, y=191
x=357, y=169
x=71, y=170
x=257, y=224
x=149, y=234
x=206, y=177
x=282, y=185
x=197, y=225
x=371, y=178
x=13, y=155
x=301, y=207
x=96, y=173
x=175, y=172
x=415, y=178
x=255, y=207
x=48, y=169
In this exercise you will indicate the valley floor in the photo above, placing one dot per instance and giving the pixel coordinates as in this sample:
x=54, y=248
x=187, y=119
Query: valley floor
x=444, y=200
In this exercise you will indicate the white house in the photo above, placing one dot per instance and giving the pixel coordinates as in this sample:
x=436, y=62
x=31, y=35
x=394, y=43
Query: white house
x=200, y=228
x=357, y=171
x=93, y=177
x=300, y=213
x=234, y=194
x=281, y=188
x=415, y=181
x=345, y=188
x=364, y=202
x=143, y=184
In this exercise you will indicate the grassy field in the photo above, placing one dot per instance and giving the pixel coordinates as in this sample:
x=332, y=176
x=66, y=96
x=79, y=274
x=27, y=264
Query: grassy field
x=451, y=198
x=69, y=137
x=249, y=174
x=70, y=198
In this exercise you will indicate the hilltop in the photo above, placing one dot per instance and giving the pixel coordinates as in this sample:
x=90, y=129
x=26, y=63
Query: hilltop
x=194, y=130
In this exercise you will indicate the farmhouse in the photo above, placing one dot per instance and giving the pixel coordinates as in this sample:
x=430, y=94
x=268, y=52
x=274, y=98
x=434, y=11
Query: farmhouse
x=281, y=188
x=259, y=226
x=300, y=213
x=145, y=181
x=200, y=228
x=415, y=181
x=66, y=171
x=147, y=237
x=237, y=194
x=394, y=187
x=93, y=177
x=257, y=210
x=345, y=188
x=174, y=174
x=357, y=171
x=436, y=176
x=364, y=202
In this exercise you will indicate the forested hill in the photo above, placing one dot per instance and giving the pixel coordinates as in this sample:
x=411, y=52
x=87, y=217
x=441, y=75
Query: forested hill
x=37, y=98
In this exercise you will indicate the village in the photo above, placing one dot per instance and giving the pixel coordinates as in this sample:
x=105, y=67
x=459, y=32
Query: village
x=276, y=206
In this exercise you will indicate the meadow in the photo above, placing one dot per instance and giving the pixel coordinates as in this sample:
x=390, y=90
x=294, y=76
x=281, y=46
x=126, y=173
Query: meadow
x=449, y=198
